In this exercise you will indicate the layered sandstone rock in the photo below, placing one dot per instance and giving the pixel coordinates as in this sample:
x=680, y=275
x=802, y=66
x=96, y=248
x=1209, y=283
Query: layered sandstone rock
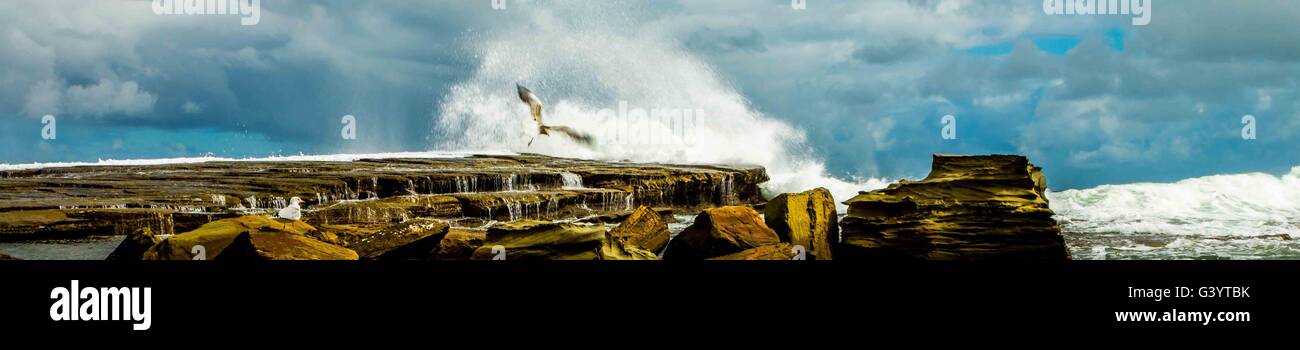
x=84, y=201
x=543, y=240
x=645, y=229
x=969, y=207
x=805, y=219
x=721, y=231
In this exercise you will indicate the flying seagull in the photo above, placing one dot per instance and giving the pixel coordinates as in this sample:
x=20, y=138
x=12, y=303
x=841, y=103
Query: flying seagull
x=535, y=105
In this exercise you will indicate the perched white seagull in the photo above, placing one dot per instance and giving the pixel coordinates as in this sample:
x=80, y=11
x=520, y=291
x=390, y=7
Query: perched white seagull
x=293, y=211
x=535, y=105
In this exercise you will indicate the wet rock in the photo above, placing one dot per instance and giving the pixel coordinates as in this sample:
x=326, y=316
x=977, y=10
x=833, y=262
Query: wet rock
x=212, y=238
x=541, y=240
x=665, y=214
x=969, y=207
x=101, y=200
x=384, y=211
x=721, y=231
x=806, y=219
x=134, y=245
x=782, y=251
x=78, y=222
x=7, y=257
x=644, y=229
x=416, y=239
x=460, y=244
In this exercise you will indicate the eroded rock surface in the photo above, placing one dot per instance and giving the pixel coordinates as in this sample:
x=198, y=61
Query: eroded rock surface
x=969, y=207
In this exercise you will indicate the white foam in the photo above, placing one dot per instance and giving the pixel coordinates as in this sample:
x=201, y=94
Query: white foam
x=1222, y=205
x=584, y=59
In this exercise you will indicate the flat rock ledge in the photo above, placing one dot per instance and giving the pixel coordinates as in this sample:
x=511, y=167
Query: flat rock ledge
x=364, y=194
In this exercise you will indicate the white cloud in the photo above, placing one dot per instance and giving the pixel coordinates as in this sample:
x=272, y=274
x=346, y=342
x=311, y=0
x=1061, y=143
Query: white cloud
x=44, y=97
x=108, y=98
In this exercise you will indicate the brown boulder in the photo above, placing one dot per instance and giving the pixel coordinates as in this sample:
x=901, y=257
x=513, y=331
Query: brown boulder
x=460, y=244
x=805, y=219
x=721, y=231
x=645, y=228
x=413, y=239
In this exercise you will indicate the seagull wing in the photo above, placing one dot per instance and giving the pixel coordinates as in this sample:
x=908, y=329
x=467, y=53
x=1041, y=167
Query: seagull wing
x=534, y=103
x=290, y=212
x=578, y=136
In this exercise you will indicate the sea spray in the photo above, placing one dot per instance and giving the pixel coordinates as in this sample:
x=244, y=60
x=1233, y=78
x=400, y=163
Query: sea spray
x=581, y=60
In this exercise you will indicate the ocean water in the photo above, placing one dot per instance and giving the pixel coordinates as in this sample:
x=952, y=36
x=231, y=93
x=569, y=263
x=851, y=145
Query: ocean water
x=1240, y=216
x=88, y=248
